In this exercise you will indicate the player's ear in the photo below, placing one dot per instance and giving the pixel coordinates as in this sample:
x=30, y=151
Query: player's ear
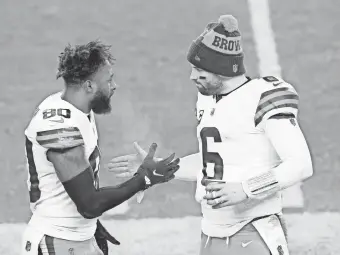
x=89, y=86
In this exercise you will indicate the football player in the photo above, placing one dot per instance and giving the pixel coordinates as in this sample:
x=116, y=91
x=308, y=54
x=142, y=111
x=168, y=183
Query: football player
x=251, y=148
x=63, y=160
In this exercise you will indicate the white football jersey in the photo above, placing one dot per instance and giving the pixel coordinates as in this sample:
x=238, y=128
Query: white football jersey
x=234, y=147
x=57, y=124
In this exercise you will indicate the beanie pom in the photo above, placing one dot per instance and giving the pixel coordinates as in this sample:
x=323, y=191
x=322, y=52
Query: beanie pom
x=229, y=22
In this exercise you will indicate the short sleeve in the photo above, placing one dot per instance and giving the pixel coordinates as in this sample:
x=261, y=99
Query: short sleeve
x=281, y=100
x=57, y=132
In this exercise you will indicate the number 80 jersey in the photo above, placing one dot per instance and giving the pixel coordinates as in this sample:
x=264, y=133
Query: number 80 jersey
x=234, y=146
x=57, y=124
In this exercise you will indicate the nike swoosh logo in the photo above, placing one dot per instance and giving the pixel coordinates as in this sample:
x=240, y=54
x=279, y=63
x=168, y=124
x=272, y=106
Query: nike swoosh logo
x=246, y=244
x=276, y=84
x=58, y=121
x=155, y=173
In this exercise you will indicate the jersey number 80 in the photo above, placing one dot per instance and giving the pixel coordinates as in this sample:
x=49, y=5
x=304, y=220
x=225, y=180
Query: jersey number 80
x=49, y=113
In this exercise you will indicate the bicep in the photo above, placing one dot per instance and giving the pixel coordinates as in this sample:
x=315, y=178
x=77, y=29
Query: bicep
x=68, y=163
x=274, y=102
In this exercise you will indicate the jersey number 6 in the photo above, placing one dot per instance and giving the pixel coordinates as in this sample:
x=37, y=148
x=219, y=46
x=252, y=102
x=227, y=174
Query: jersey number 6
x=211, y=157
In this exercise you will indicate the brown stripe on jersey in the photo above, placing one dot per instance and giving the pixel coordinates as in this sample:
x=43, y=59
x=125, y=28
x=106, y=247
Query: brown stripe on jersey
x=275, y=99
x=60, y=138
x=62, y=142
x=288, y=105
x=34, y=191
x=57, y=131
x=283, y=115
x=93, y=162
x=271, y=96
x=64, y=146
x=95, y=154
x=267, y=93
x=64, y=135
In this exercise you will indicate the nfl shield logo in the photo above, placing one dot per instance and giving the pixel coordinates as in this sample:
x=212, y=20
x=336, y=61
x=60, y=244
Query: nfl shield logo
x=235, y=68
x=28, y=246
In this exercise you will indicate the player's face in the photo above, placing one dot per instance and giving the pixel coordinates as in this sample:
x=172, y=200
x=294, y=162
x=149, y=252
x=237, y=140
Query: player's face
x=101, y=101
x=207, y=83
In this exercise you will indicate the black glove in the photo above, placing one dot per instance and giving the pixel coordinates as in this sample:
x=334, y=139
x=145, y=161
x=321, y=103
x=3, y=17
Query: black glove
x=155, y=172
x=102, y=236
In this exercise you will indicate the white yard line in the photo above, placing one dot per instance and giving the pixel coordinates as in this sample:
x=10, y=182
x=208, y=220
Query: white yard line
x=264, y=38
x=268, y=58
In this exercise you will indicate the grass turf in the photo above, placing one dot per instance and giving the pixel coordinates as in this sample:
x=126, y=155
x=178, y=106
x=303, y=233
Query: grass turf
x=309, y=234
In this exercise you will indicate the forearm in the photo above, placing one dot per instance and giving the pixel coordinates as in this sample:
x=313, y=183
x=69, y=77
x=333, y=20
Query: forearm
x=279, y=178
x=296, y=165
x=292, y=172
x=189, y=167
x=110, y=197
x=91, y=203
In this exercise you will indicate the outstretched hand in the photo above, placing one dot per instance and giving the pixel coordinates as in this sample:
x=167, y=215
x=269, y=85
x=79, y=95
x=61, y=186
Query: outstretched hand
x=127, y=165
x=157, y=171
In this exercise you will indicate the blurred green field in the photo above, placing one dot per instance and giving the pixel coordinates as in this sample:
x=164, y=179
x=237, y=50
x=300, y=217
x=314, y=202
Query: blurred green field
x=155, y=101
x=182, y=236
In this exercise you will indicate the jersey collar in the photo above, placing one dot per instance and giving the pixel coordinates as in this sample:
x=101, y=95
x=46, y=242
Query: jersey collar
x=232, y=85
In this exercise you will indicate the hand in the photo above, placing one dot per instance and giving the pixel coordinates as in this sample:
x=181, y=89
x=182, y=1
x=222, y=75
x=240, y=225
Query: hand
x=224, y=194
x=127, y=165
x=155, y=172
x=102, y=236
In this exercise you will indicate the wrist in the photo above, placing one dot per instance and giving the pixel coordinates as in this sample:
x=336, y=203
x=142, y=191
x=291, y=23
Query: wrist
x=246, y=189
x=261, y=186
x=143, y=178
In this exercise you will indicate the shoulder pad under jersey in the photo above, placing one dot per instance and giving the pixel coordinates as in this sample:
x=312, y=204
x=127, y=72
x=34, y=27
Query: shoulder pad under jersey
x=55, y=126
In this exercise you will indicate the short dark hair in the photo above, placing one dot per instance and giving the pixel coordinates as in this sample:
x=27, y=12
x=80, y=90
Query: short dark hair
x=78, y=63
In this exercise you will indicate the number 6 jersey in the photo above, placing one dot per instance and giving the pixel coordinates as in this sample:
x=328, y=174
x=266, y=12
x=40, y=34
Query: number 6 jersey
x=57, y=124
x=234, y=147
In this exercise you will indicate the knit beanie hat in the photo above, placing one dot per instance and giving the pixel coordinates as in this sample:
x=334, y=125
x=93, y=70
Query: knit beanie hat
x=218, y=49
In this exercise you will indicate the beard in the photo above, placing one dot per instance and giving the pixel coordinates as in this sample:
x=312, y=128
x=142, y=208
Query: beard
x=203, y=91
x=209, y=87
x=101, y=104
